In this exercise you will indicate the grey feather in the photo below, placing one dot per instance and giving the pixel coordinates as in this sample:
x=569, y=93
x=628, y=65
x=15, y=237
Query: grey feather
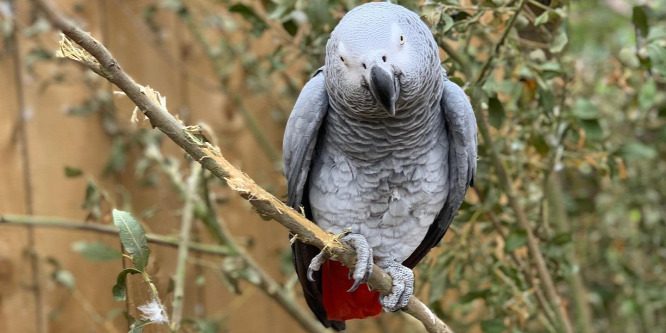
x=461, y=131
x=300, y=135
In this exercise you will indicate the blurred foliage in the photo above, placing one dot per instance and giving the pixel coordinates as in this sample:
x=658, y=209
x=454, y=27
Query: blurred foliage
x=576, y=101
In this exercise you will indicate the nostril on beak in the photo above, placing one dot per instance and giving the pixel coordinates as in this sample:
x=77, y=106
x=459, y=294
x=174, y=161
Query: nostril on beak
x=364, y=67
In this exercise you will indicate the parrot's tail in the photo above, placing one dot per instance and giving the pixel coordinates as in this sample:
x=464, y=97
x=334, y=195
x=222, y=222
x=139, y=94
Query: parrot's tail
x=340, y=304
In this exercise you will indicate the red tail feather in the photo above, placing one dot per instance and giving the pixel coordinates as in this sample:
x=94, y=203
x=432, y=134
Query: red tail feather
x=341, y=305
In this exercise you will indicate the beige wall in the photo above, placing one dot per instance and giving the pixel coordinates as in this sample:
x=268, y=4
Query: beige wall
x=54, y=140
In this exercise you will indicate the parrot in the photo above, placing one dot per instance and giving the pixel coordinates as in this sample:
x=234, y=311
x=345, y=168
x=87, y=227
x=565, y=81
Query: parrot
x=380, y=147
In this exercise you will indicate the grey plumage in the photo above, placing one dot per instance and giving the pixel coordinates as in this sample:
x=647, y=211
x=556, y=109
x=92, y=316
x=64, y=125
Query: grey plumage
x=396, y=179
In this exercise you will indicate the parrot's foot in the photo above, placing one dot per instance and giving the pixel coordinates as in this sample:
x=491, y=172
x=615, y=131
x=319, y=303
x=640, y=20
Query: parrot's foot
x=364, y=262
x=363, y=268
x=315, y=265
x=403, y=287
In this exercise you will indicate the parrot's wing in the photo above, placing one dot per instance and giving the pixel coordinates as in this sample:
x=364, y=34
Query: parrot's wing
x=300, y=136
x=299, y=147
x=461, y=133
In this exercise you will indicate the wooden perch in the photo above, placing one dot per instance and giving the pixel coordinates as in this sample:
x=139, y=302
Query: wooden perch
x=100, y=61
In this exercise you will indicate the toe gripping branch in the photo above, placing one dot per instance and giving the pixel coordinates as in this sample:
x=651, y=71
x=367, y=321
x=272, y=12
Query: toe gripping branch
x=364, y=262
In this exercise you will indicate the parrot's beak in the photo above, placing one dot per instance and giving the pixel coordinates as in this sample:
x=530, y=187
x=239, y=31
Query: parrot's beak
x=385, y=87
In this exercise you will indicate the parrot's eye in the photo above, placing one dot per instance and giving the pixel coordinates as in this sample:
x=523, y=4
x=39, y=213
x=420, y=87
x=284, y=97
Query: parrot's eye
x=342, y=59
x=402, y=39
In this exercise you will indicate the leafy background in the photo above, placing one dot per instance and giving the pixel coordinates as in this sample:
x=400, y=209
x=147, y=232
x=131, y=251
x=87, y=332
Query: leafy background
x=576, y=103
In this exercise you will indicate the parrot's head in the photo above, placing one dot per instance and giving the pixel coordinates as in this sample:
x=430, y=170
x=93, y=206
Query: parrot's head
x=381, y=59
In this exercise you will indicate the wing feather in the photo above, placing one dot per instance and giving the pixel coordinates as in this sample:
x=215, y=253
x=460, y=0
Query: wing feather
x=461, y=133
x=299, y=147
x=300, y=136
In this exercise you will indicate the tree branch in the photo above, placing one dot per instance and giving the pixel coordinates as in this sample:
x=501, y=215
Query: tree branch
x=453, y=54
x=54, y=222
x=183, y=246
x=210, y=158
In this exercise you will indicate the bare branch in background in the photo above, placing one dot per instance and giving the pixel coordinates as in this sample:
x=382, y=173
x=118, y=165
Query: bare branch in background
x=184, y=240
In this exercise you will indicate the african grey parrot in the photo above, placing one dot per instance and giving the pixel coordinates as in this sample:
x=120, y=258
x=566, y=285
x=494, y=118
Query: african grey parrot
x=380, y=142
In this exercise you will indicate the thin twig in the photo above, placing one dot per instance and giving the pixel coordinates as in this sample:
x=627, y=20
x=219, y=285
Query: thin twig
x=485, y=69
x=505, y=180
x=524, y=269
x=209, y=156
x=204, y=210
x=55, y=222
x=22, y=136
x=183, y=246
x=220, y=71
x=92, y=312
x=574, y=278
x=479, y=8
x=455, y=56
x=265, y=282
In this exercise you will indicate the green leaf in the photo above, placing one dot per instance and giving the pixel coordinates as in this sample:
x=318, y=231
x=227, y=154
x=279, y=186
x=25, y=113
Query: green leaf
x=657, y=33
x=516, y=239
x=319, y=15
x=92, y=196
x=647, y=94
x=71, y=172
x=61, y=276
x=258, y=24
x=133, y=238
x=559, y=41
x=448, y=23
x=639, y=18
x=472, y=295
x=493, y=326
x=539, y=143
x=118, y=156
x=36, y=55
x=291, y=27
x=40, y=25
x=431, y=13
x=637, y=150
x=628, y=57
x=584, y=109
x=541, y=19
x=457, y=80
x=550, y=70
x=547, y=100
x=96, y=251
x=657, y=54
x=561, y=239
x=119, y=289
x=496, y=114
x=174, y=5
x=438, y=285
x=592, y=129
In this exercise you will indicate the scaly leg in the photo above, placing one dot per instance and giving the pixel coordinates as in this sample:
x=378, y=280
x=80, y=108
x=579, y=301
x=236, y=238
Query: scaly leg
x=403, y=286
x=363, y=268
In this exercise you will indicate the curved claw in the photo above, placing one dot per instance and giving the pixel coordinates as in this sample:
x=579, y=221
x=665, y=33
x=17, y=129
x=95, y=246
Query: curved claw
x=363, y=269
x=310, y=272
x=355, y=285
x=315, y=265
x=367, y=275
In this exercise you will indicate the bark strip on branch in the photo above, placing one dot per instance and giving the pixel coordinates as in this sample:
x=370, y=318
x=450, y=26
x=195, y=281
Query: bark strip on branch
x=210, y=158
